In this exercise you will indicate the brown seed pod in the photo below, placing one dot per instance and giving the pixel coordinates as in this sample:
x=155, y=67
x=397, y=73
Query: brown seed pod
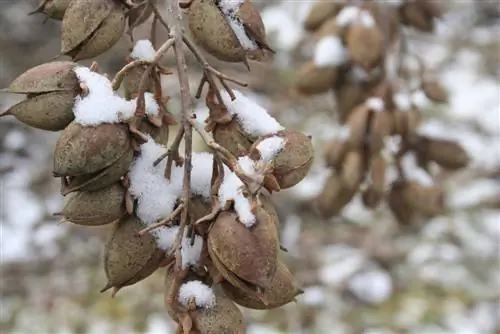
x=386, y=17
x=85, y=150
x=250, y=253
x=375, y=192
x=329, y=28
x=352, y=171
x=54, y=9
x=315, y=80
x=91, y=27
x=132, y=80
x=95, y=208
x=139, y=15
x=46, y=78
x=405, y=123
x=255, y=29
x=427, y=200
x=159, y=134
x=130, y=257
x=101, y=179
x=434, y=91
x=412, y=14
x=335, y=151
x=268, y=206
x=281, y=291
x=357, y=123
x=334, y=197
x=348, y=96
x=446, y=153
x=381, y=127
x=366, y=45
x=320, y=13
x=398, y=204
x=49, y=111
x=232, y=137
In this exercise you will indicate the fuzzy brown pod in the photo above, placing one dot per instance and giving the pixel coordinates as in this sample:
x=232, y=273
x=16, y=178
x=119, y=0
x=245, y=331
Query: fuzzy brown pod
x=348, y=96
x=329, y=28
x=312, y=79
x=380, y=128
x=413, y=14
x=95, y=208
x=357, y=124
x=101, y=179
x=434, y=91
x=375, y=192
x=333, y=198
x=268, y=206
x=232, y=137
x=405, y=123
x=446, y=153
x=88, y=149
x=366, y=45
x=334, y=154
x=281, y=291
x=386, y=17
x=91, y=27
x=320, y=13
x=128, y=256
x=353, y=170
x=250, y=253
x=54, y=9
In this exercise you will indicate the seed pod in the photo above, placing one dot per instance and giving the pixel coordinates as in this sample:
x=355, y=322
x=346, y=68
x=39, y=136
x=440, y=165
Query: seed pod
x=446, y=153
x=130, y=257
x=335, y=151
x=49, y=111
x=320, y=13
x=101, y=179
x=434, y=91
x=132, y=80
x=54, y=9
x=250, y=253
x=356, y=122
x=315, y=80
x=46, y=78
x=400, y=208
x=91, y=27
x=268, y=206
x=232, y=137
x=85, y=150
x=352, y=171
x=375, y=192
x=348, y=96
x=159, y=134
x=405, y=123
x=198, y=208
x=281, y=291
x=381, y=127
x=95, y=208
x=334, y=197
x=412, y=14
x=428, y=200
x=255, y=30
x=329, y=28
x=365, y=45
x=293, y=162
x=386, y=17
x=139, y=15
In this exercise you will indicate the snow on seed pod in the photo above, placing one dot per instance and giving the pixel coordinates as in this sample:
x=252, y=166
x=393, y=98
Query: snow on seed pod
x=91, y=27
x=84, y=150
x=54, y=9
x=95, y=208
x=128, y=256
x=250, y=253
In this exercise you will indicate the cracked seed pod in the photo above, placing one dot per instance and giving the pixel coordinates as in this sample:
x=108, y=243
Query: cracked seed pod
x=381, y=127
x=352, y=171
x=85, y=150
x=320, y=13
x=255, y=29
x=315, y=80
x=54, y=9
x=372, y=196
x=282, y=290
x=333, y=198
x=292, y=163
x=101, y=179
x=434, y=91
x=91, y=27
x=446, y=153
x=130, y=257
x=412, y=14
x=95, y=208
x=232, y=137
x=335, y=151
x=366, y=45
x=250, y=253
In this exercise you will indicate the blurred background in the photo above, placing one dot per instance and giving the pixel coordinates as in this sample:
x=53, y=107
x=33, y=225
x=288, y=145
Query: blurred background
x=361, y=271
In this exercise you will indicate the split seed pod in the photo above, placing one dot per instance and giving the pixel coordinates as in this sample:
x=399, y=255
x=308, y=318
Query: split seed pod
x=85, y=150
x=91, y=27
x=320, y=13
x=250, y=253
x=281, y=291
x=365, y=45
x=232, y=137
x=130, y=257
x=95, y=208
x=333, y=198
x=315, y=80
x=54, y=9
x=446, y=153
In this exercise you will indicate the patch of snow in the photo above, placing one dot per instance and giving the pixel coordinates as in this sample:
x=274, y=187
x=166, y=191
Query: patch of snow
x=203, y=295
x=201, y=174
x=143, y=50
x=165, y=236
x=190, y=254
x=14, y=140
x=403, y=101
x=354, y=14
x=336, y=273
x=269, y=147
x=374, y=286
x=415, y=173
x=420, y=100
x=313, y=296
x=278, y=19
x=290, y=235
x=229, y=8
x=375, y=104
x=330, y=52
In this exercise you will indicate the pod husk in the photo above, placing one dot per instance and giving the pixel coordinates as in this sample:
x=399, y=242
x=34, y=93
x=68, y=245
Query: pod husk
x=132, y=80
x=232, y=137
x=365, y=45
x=352, y=172
x=96, y=208
x=448, y=154
x=434, y=91
x=335, y=152
x=333, y=198
x=320, y=13
x=313, y=80
x=54, y=9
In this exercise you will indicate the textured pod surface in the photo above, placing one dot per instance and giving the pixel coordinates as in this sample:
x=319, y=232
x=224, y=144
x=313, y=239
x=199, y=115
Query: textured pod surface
x=159, y=134
x=414, y=15
x=335, y=151
x=49, y=111
x=348, y=96
x=44, y=78
x=140, y=14
x=320, y=13
x=446, y=153
x=96, y=208
x=55, y=9
x=250, y=253
x=281, y=291
x=130, y=257
x=333, y=198
x=315, y=80
x=381, y=127
x=398, y=205
x=102, y=39
x=255, y=29
x=101, y=179
x=132, y=80
x=81, y=20
x=232, y=137
x=85, y=150
x=212, y=31
x=365, y=45
x=357, y=123
x=268, y=206
x=352, y=170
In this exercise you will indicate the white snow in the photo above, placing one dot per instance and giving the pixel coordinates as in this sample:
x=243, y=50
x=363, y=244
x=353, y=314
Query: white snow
x=415, y=173
x=375, y=104
x=143, y=50
x=395, y=3
x=420, y=100
x=201, y=174
x=190, y=254
x=344, y=133
x=353, y=14
x=165, y=236
x=269, y=147
x=253, y=118
x=374, y=286
x=102, y=104
x=203, y=295
x=330, y=52
x=229, y=8
x=403, y=101
x=280, y=20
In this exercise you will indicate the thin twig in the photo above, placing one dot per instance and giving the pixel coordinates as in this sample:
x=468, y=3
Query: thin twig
x=164, y=222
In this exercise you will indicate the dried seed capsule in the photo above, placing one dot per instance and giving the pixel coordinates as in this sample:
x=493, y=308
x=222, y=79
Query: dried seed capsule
x=232, y=137
x=159, y=134
x=430, y=201
x=320, y=13
x=357, y=123
x=334, y=197
x=132, y=80
x=54, y=9
x=315, y=80
x=255, y=29
x=268, y=206
x=365, y=45
x=250, y=253
x=139, y=15
x=381, y=127
x=130, y=257
x=398, y=204
x=375, y=192
x=85, y=150
x=348, y=96
x=352, y=171
x=95, y=208
x=412, y=14
x=281, y=291
x=434, y=91
x=335, y=151
x=446, y=153
x=405, y=123
x=91, y=27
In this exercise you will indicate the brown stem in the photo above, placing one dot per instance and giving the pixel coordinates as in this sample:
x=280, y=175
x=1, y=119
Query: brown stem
x=164, y=221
